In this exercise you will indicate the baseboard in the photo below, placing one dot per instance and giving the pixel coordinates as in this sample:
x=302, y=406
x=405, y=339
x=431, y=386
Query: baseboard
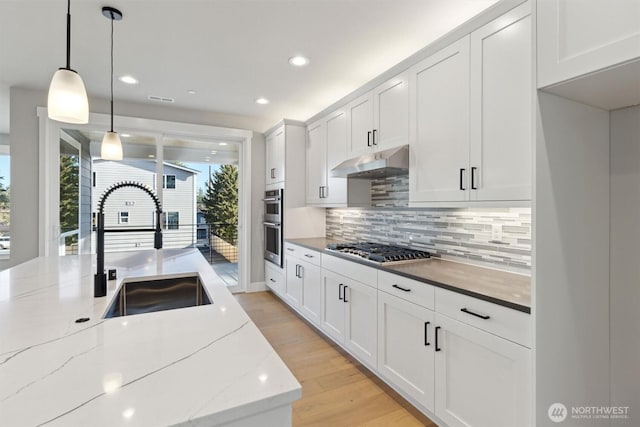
x=257, y=287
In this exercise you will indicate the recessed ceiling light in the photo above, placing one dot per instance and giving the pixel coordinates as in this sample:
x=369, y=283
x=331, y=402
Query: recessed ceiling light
x=151, y=156
x=222, y=143
x=191, y=92
x=262, y=101
x=130, y=80
x=207, y=158
x=213, y=151
x=298, y=61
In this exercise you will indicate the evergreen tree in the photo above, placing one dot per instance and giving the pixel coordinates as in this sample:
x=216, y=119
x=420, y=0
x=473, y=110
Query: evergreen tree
x=4, y=195
x=220, y=203
x=69, y=184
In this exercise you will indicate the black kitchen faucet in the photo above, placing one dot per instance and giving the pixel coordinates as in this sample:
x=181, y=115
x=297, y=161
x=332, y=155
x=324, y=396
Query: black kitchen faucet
x=100, y=278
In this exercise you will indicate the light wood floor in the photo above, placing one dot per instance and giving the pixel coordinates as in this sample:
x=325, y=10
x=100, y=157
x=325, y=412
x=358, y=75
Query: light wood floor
x=336, y=389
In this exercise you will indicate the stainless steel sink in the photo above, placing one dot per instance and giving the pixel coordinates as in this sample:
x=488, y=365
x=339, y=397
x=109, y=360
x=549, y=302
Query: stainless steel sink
x=145, y=296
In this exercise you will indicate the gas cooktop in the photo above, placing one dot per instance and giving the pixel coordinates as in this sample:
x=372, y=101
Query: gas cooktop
x=378, y=253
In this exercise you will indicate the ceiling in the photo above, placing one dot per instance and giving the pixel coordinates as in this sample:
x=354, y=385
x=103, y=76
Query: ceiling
x=229, y=51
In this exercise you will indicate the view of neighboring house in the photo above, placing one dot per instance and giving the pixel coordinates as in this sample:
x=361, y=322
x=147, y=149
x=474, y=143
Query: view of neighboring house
x=132, y=207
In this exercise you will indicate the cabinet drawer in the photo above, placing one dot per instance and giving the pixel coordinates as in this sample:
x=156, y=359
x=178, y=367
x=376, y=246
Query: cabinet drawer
x=274, y=277
x=309, y=255
x=502, y=321
x=410, y=290
x=350, y=269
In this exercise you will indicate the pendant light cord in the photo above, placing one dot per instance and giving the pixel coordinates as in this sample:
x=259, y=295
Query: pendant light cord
x=112, y=73
x=68, y=34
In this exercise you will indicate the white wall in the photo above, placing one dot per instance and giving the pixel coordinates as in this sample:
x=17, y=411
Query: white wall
x=625, y=262
x=571, y=263
x=24, y=138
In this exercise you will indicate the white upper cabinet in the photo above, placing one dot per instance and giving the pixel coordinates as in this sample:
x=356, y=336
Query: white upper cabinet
x=360, y=125
x=275, y=156
x=316, y=161
x=326, y=148
x=439, y=125
x=391, y=113
x=501, y=108
x=576, y=37
x=471, y=114
x=336, y=188
x=380, y=118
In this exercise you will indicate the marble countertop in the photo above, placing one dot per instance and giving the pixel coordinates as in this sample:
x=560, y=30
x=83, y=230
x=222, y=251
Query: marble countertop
x=193, y=366
x=501, y=287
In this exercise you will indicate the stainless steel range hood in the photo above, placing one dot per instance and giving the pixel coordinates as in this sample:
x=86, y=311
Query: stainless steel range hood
x=391, y=162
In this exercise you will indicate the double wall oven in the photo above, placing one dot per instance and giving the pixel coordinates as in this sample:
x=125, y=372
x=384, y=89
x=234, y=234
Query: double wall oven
x=273, y=213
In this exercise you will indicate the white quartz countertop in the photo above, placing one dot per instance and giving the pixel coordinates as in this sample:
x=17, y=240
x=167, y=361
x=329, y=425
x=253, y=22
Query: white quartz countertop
x=196, y=366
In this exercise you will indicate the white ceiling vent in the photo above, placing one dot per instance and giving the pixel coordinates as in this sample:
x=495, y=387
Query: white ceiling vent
x=161, y=99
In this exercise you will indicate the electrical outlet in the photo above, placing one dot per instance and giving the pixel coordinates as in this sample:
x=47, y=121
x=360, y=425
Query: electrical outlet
x=496, y=232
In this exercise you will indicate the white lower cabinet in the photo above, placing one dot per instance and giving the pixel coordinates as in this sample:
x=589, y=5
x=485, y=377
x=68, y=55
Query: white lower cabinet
x=444, y=351
x=481, y=380
x=405, y=347
x=302, y=289
x=274, y=278
x=348, y=315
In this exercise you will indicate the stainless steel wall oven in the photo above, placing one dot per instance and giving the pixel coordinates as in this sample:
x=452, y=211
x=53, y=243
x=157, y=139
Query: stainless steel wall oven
x=273, y=213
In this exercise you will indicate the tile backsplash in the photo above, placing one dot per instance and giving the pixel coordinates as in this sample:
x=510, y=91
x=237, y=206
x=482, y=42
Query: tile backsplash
x=459, y=234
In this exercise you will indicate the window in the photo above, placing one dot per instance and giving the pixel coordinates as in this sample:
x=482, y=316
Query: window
x=170, y=220
x=168, y=181
x=123, y=217
x=201, y=233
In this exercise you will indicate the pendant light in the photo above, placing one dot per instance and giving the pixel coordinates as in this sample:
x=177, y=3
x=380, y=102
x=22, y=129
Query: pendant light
x=111, y=146
x=67, y=101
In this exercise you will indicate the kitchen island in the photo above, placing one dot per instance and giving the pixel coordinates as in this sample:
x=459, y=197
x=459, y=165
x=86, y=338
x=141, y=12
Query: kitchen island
x=200, y=366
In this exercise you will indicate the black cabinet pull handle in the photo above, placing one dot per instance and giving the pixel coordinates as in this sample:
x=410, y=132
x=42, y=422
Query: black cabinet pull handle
x=308, y=256
x=300, y=271
x=273, y=280
x=297, y=274
x=461, y=178
x=426, y=333
x=345, y=293
x=340, y=291
x=401, y=288
x=320, y=192
x=290, y=249
x=473, y=181
x=437, y=329
x=482, y=316
x=273, y=172
x=374, y=137
x=369, y=139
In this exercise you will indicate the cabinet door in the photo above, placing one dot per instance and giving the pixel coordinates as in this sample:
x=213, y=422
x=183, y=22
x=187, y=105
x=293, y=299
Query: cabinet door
x=360, y=323
x=501, y=108
x=481, y=379
x=293, y=283
x=332, y=305
x=274, y=278
x=316, y=161
x=310, y=302
x=439, y=125
x=405, y=347
x=336, y=188
x=360, y=125
x=391, y=113
x=275, y=156
x=576, y=37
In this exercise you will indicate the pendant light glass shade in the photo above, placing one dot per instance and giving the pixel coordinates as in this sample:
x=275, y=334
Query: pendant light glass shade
x=111, y=148
x=67, y=100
